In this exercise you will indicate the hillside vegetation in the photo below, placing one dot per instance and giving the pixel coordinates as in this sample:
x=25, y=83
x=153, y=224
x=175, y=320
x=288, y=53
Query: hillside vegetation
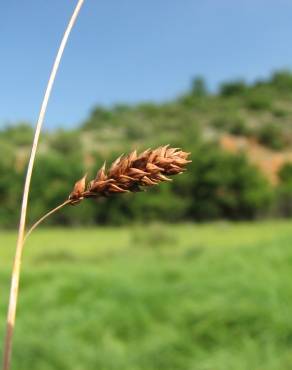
x=224, y=181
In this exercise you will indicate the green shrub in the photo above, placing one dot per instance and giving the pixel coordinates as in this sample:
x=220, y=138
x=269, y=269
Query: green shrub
x=225, y=185
x=66, y=142
x=98, y=118
x=233, y=88
x=280, y=113
x=285, y=173
x=282, y=80
x=284, y=191
x=240, y=128
x=259, y=101
x=20, y=134
x=54, y=177
x=271, y=136
x=199, y=87
x=10, y=190
x=232, y=123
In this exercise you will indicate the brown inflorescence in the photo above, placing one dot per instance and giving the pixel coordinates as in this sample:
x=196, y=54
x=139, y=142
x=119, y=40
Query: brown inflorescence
x=132, y=172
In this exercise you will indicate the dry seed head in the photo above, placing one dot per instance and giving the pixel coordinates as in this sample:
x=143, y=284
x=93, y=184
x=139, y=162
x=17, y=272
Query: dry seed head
x=132, y=172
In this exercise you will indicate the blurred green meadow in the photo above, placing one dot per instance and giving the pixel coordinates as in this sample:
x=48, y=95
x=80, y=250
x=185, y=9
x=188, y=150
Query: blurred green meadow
x=184, y=297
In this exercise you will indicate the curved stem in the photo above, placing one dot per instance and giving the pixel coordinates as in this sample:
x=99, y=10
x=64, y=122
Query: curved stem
x=38, y=222
x=19, y=247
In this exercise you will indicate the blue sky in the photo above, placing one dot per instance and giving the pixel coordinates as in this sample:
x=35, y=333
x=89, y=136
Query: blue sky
x=129, y=51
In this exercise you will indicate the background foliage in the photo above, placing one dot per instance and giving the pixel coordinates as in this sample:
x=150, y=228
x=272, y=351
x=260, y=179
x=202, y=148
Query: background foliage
x=218, y=184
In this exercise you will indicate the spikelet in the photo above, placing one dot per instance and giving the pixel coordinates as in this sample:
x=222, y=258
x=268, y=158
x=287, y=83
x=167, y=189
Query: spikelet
x=132, y=172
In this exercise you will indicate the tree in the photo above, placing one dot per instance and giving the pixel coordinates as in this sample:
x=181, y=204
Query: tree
x=199, y=88
x=233, y=88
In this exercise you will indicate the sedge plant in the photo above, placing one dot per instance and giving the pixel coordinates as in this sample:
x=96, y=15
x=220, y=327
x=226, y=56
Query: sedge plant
x=22, y=223
x=128, y=173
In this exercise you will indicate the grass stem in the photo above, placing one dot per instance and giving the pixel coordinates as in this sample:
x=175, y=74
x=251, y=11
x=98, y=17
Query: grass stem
x=37, y=223
x=21, y=230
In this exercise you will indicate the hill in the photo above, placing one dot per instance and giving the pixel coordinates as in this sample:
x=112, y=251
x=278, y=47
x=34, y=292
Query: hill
x=240, y=139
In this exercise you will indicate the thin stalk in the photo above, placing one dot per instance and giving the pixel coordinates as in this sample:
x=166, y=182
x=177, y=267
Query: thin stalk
x=21, y=230
x=38, y=222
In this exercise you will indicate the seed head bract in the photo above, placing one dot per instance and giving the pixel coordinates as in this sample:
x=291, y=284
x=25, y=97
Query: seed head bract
x=132, y=172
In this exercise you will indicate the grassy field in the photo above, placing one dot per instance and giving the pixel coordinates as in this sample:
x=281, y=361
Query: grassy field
x=188, y=297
